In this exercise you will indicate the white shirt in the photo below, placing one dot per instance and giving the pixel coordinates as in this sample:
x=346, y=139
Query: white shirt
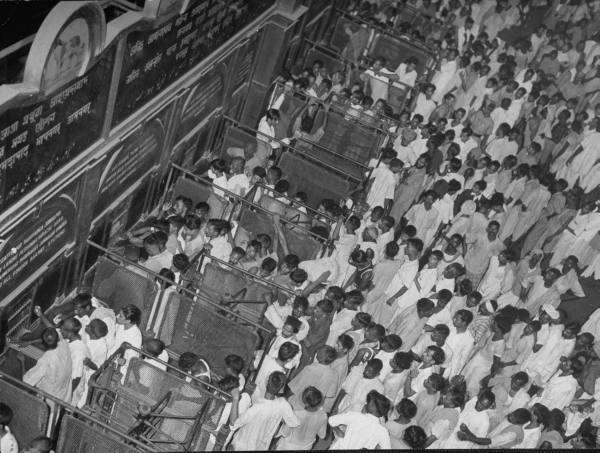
x=384, y=182
x=478, y=423
x=341, y=322
x=238, y=184
x=52, y=372
x=157, y=262
x=190, y=247
x=257, y=426
x=407, y=78
x=79, y=352
x=357, y=387
x=379, y=83
x=362, y=431
x=8, y=443
x=424, y=107
x=269, y=365
x=266, y=132
x=499, y=148
x=461, y=345
x=558, y=392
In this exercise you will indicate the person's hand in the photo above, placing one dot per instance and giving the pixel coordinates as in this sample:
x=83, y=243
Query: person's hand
x=413, y=373
x=38, y=311
x=235, y=394
x=88, y=362
x=208, y=247
x=167, y=205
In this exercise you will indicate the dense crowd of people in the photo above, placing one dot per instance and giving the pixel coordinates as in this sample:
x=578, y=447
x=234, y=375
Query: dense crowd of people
x=434, y=319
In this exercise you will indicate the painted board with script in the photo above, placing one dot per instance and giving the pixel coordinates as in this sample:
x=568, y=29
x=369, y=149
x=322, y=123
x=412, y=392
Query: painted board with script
x=156, y=56
x=38, y=137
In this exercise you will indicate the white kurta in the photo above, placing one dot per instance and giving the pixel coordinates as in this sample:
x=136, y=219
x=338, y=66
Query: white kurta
x=362, y=431
x=477, y=422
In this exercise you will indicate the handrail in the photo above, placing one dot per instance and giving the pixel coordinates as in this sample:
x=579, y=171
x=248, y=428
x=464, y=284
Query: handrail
x=245, y=272
x=187, y=291
x=72, y=409
x=384, y=30
x=126, y=345
x=292, y=148
x=321, y=102
x=299, y=203
x=244, y=201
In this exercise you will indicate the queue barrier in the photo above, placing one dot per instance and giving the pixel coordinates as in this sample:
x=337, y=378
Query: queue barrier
x=301, y=242
x=375, y=41
x=198, y=191
x=225, y=283
x=117, y=286
x=26, y=424
x=37, y=413
x=189, y=320
x=157, y=403
x=317, y=181
x=213, y=332
x=79, y=436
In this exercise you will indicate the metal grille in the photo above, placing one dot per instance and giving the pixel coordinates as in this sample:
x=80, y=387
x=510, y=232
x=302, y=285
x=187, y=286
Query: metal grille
x=331, y=62
x=238, y=138
x=396, y=50
x=188, y=400
x=201, y=329
x=118, y=286
x=316, y=181
x=220, y=283
x=77, y=436
x=301, y=243
x=199, y=191
x=31, y=413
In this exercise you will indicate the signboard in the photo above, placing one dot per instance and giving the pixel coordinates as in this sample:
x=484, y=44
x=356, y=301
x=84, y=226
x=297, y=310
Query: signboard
x=36, y=240
x=245, y=62
x=203, y=98
x=39, y=137
x=156, y=57
x=131, y=159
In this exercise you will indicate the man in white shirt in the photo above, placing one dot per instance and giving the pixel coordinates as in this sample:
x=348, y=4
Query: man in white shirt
x=475, y=416
x=363, y=429
x=406, y=73
x=460, y=341
x=190, y=240
x=560, y=390
x=53, y=371
x=384, y=183
x=467, y=34
x=466, y=143
x=255, y=428
x=500, y=147
x=378, y=78
x=159, y=256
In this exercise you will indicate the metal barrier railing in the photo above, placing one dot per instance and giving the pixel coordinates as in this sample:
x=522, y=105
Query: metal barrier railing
x=293, y=149
x=165, y=409
x=193, y=294
x=192, y=303
x=61, y=432
x=238, y=200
